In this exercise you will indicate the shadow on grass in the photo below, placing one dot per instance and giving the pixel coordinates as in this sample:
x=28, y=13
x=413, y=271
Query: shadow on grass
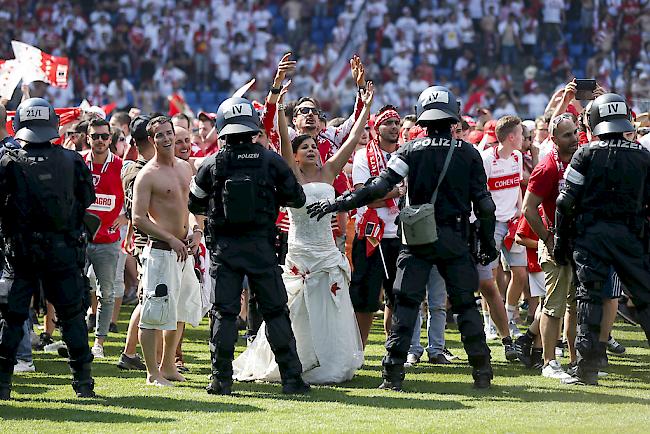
x=335, y=394
x=57, y=414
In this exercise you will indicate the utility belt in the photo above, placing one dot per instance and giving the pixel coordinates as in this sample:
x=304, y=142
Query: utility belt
x=636, y=224
x=38, y=246
x=458, y=223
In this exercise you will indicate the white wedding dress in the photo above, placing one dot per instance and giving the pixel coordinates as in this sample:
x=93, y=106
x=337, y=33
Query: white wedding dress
x=317, y=278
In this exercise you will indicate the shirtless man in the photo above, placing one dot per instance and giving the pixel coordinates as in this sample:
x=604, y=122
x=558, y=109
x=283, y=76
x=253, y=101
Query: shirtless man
x=160, y=210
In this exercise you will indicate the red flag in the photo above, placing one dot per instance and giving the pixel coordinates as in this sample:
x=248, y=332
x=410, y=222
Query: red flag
x=512, y=230
x=371, y=227
x=39, y=66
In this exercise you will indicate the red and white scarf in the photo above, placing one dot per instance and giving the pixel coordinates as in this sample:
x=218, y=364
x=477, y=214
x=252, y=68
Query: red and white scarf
x=377, y=163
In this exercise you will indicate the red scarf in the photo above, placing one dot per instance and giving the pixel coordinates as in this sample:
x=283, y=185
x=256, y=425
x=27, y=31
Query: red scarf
x=377, y=163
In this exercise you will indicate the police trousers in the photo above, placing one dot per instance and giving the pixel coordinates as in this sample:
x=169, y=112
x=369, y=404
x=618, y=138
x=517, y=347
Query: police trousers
x=598, y=248
x=456, y=266
x=62, y=280
x=252, y=256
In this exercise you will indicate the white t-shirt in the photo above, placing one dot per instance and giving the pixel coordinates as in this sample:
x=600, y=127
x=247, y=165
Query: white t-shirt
x=552, y=11
x=360, y=174
x=503, y=179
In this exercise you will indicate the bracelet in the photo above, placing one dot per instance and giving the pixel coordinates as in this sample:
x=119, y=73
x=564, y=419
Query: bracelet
x=276, y=90
x=281, y=107
x=362, y=88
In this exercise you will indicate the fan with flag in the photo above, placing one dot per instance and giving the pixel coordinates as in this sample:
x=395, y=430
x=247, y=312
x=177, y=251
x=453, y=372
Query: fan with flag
x=371, y=227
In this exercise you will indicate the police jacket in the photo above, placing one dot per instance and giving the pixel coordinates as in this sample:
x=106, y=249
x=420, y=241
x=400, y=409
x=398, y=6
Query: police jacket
x=609, y=180
x=422, y=160
x=240, y=189
x=44, y=189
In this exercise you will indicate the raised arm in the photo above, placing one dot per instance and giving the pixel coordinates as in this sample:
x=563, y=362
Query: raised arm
x=285, y=142
x=284, y=66
x=334, y=165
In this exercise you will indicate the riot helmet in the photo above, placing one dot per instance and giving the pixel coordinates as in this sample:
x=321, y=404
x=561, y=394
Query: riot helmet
x=437, y=103
x=35, y=121
x=235, y=116
x=609, y=114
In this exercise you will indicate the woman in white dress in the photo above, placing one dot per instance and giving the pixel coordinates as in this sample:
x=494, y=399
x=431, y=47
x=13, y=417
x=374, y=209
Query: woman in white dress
x=316, y=274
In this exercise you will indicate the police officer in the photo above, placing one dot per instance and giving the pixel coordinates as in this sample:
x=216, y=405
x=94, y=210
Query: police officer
x=607, y=195
x=44, y=192
x=464, y=185
x=240, y=188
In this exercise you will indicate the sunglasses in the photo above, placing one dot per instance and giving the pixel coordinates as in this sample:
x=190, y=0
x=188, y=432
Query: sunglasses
x=97, y=136
x=307, y=110
x=71, y=133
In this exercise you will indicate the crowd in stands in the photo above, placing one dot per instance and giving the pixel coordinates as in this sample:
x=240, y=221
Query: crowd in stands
x=508, y=56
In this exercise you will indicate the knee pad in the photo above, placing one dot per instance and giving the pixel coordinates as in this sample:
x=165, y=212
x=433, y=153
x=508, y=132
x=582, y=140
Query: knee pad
x=273, y=313
x=590, y=315
x=462, y=302
x=69, y=312
x=406, y=301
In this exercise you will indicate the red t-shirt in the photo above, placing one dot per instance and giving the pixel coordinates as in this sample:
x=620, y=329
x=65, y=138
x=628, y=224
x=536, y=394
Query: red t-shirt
x=525, y=231
x=110, y=196
x=546, y=181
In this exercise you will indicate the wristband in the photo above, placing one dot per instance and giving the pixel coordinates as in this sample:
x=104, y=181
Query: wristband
x=281, y=107
x=276, y=90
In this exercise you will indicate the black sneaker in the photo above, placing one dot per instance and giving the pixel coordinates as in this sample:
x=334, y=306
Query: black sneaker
x=524, y=349
x=112, y=328
x=43, y=339
x=482, y=377
x=614, y=347
x=537, y=359
x=84, y=389
x=295, y=386
x=439, y=359
x=509, y=349
x=393, y=376
x=134, y=363
x=90, y=322
x=63, y=352
x=219, y=387
x=448, y=354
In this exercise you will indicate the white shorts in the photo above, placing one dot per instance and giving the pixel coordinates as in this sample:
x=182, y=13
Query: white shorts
x=515, y=257
x=537, y=284
x=179, y=293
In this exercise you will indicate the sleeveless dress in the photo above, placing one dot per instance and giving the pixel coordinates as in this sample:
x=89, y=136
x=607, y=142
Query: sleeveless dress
x=317, y=278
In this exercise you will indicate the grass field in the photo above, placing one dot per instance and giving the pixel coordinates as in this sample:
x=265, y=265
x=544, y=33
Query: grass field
x=437, y=398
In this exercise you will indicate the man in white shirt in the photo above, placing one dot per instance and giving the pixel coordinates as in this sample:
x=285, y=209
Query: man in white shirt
x=503, y=166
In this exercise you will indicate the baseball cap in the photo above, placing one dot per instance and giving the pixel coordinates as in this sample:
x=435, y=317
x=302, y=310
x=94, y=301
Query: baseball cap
x=138, y=127
x=207, y=115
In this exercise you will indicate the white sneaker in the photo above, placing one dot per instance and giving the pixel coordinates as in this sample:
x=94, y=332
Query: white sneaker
x=554, y=370
x=24, y=366
x=54, y=347
x=411, y=360
x=98, y=351
x=514, y=330
x=491, y=332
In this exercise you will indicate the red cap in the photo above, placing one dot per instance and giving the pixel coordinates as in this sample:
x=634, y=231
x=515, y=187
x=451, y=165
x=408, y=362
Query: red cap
x=489, y=131
x=71, y=115
x=417, y=132
x=211, y=116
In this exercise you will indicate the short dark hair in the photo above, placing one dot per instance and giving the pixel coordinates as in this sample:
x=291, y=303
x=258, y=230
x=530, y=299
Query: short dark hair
x=122, y=118
x=306, y=99
x=96, y=122
x=156, y=122
x=409, y=118
x=298, y=140
x=386, y=108
x=183, y=116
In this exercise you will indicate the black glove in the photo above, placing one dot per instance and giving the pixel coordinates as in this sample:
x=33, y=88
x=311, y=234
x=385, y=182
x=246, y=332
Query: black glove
x=487, y=253
x=322, y=208
x=561, y=252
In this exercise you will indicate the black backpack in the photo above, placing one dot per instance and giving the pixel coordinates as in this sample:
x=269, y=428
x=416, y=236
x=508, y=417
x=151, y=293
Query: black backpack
x=43, y=197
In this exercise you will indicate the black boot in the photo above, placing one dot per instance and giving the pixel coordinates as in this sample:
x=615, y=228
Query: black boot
x=5, y=386
x=219, y=387
x=295, y=386
x=524, y=349
x=83, y=383
x=393, y=376
x=482, y=376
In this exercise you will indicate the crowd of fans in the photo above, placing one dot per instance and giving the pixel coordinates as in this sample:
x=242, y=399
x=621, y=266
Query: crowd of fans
x=507, y=56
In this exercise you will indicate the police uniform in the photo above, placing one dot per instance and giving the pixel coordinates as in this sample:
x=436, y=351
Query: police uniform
x=607, y=195
x=241, y=188
x=463, y=185
x=45, y=191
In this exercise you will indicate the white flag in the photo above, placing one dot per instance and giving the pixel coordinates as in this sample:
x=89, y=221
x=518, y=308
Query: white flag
x=36, y=65
x=9, y=77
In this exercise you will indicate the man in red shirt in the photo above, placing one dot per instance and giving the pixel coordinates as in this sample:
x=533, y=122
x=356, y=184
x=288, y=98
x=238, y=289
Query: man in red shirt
x=103, y=250
x=544, y=186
